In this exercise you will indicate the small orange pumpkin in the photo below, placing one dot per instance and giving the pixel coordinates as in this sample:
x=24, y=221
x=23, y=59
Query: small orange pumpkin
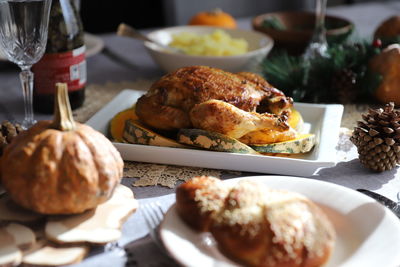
x=215, y=17
x=60, y=166
x=390, y=28
x=387, y=63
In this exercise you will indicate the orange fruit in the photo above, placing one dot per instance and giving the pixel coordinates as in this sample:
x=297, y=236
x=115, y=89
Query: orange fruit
x=215, y=17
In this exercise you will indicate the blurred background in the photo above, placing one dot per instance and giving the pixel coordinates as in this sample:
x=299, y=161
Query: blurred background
x=102, y=16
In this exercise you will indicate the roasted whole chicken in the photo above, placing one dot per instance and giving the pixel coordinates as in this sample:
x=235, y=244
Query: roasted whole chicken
x=214, y=100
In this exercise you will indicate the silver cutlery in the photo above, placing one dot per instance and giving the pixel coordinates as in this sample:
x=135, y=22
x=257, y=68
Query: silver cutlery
x=390, y=204
x=153, y=215
x=128, y=31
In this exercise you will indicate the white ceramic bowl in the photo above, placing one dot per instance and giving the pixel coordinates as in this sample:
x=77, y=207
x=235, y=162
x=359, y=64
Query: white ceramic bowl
x=259, y=46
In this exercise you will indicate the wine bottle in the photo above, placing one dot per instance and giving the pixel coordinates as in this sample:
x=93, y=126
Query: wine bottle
x=64, y=59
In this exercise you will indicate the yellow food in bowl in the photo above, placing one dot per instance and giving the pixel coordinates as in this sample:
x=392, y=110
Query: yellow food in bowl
x=218, y=43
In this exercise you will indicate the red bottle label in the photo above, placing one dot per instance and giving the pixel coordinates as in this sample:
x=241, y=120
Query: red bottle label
x=68, y=67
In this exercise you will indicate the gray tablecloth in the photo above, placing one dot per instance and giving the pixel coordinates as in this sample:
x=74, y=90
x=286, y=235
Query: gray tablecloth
x=101, y=69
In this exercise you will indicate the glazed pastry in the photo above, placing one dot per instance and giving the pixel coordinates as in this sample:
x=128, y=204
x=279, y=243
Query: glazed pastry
x=262, y=227
x=198, y=199
x=258, y=226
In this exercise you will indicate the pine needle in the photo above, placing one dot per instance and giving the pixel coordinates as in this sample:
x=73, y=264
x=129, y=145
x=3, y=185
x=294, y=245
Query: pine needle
x=312, y=81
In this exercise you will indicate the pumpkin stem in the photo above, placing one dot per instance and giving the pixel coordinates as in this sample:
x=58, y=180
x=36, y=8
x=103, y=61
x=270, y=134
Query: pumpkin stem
x=215, y=11
x=63, y=119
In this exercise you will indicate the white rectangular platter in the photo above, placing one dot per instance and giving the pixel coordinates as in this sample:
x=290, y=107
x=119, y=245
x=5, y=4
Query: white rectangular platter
x=322, y=120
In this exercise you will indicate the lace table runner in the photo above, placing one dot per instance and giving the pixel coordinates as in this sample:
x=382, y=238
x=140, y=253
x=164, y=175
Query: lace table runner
x=148, y=174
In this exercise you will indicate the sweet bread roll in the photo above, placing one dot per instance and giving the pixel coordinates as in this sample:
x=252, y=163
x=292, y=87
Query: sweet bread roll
x=198, y=199
x=257, y=226
x=240, y=228
x=262, y=227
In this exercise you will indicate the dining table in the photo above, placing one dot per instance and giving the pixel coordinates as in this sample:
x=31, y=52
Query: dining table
x=123, y=63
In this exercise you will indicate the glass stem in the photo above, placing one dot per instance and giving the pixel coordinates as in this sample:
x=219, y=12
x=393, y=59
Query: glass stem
x=26, y=77
x=318, y=45
x=319, y=35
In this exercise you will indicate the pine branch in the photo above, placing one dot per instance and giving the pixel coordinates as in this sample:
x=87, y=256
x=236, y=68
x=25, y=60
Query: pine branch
x=312, y=81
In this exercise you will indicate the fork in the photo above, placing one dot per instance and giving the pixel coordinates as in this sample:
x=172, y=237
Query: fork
x=396, y=209
x=390, y=204
x=153, y=215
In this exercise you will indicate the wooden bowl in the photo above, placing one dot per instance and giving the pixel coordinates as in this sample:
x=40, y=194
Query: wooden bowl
x=298, y=28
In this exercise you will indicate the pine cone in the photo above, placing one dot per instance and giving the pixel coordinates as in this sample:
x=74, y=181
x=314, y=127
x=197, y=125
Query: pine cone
x=344, y=85
x=378, y=138
x=8, y=132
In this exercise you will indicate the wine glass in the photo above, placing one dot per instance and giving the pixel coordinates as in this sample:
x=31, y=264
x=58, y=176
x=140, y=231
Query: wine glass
x=318, y=45
x=23, y=37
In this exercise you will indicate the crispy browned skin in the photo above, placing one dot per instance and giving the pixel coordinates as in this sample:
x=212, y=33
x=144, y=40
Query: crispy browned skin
x=222, y=117
x=167, y=104
x=275, y=101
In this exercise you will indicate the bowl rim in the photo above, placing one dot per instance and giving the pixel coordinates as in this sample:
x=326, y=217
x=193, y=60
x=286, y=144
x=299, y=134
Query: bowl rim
x=267, y=46
x=255, y=22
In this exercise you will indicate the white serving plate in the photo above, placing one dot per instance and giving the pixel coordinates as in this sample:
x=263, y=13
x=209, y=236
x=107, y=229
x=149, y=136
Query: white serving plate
x=368, y=234
x=322, y=120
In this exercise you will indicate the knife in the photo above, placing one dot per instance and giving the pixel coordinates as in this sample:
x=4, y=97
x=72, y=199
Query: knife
x=390, y=204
